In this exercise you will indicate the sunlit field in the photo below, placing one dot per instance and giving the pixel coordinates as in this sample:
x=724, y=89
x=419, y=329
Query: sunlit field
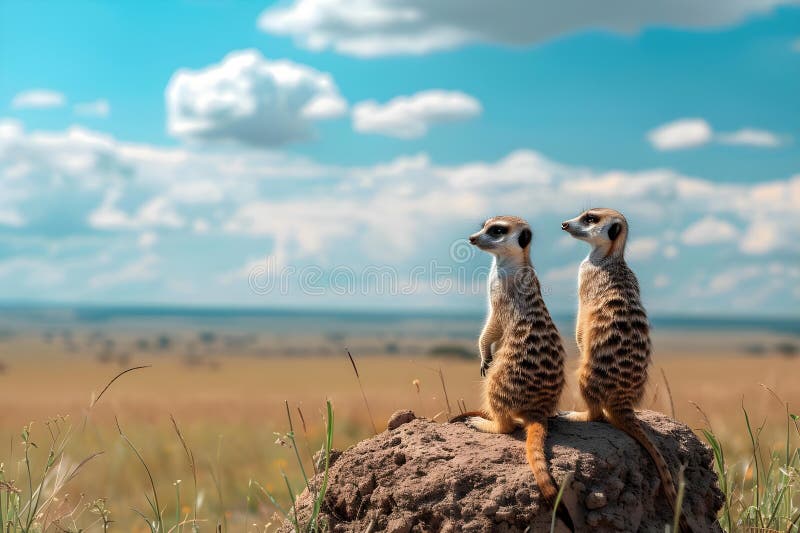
x=230, y=406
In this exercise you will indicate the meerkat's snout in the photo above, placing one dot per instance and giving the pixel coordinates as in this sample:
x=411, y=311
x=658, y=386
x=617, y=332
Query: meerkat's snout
x=576, y=227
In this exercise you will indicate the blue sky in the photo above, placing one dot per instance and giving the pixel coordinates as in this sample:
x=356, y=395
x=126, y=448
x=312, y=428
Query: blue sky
x=183, y=153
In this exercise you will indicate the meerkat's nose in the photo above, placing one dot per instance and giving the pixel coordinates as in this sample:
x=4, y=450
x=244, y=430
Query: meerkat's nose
x=564, y=225
x=473, y=239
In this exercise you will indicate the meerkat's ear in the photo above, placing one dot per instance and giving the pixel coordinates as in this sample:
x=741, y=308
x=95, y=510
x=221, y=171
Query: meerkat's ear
x=614, y=230
x=524, y=238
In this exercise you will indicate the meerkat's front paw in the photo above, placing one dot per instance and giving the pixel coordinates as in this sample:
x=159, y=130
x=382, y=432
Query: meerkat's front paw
x=577, y=416
x=485, y=363
x=584, y=416
x=475, y=422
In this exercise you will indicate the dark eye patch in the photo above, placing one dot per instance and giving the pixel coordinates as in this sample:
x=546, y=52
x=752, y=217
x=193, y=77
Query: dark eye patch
x=590, y=219
x=497, y=230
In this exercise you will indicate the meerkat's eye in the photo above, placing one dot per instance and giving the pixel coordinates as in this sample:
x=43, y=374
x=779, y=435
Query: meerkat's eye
x=496, y=231
x=590, y=219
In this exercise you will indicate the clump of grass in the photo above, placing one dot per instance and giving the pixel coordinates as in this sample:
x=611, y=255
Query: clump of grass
x=33, y=504
x=314, y=523
x=763, y=493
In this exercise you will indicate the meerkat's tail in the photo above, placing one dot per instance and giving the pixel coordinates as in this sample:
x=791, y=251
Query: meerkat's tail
x=536, y=431
x=469, y=414
x=626, y=421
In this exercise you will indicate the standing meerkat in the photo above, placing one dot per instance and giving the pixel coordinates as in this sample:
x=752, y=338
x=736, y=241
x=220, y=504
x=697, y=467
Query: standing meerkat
x=613, y=333
x=525, y=374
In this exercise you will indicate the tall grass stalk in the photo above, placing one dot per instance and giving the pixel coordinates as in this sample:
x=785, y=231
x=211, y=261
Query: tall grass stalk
x=156, y=523
x=446, y=397
x=363, y=395
x=292, y=439
x=192, y=466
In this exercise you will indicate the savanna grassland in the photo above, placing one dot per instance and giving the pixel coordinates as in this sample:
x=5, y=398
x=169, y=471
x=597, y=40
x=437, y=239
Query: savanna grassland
x=227, y=397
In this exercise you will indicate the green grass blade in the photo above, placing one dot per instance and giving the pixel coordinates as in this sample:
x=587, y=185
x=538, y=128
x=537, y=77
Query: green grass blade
x=320, y=497
x=564, y=483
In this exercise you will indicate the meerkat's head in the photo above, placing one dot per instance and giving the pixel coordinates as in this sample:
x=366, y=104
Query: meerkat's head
x=504, y=237
x=605, y=229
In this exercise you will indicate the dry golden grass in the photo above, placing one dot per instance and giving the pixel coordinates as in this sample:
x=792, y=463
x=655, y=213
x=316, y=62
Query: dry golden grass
x=229, y=412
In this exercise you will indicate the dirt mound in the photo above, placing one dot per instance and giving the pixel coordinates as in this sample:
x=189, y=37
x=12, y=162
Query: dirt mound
x=419, y=475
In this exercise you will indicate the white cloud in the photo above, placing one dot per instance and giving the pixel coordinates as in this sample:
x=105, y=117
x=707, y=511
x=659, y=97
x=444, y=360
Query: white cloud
x=38, y=99
x=751, y=137
x=661, y=281
x=77, y=156
x=709, y=230
x=408, y=117
x=681, y=134
x=642, y=248
x=762, y=236
x=517, y=168
x=147, y=239
x=11, y=217
x=200, y=226
x=158, y=211
x=98, y=108
x=252, y=100
x=32, y=272
x=203, y=191
x=731, y=279
x=401, y=212
x=142, y=269
x=564, y=274
x=369, y=28
x=693, y=132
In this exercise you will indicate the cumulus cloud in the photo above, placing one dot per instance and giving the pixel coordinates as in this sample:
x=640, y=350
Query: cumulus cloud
x=196, y=192
x=98, y=108
x=661, y=281
x=79, y=165
x=251, y=100
x=158, y=211
x=408, y=117
x=200, y=226
x=762, y=236
x=709, y=230
x=693, y=132
x=402, y=212
x=369, y=28
x=681, y=134
x=11, y=217
x=82, y=157
x=38, y=99
x=731, y=279
x=147, y=239
x=642, y=248
x=751, y=137
x=564, y=274
x=142, y=269
x=31, y=272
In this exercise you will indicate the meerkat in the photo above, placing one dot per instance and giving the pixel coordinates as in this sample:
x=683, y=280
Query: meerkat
x=524, y=376
x=613, y=333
